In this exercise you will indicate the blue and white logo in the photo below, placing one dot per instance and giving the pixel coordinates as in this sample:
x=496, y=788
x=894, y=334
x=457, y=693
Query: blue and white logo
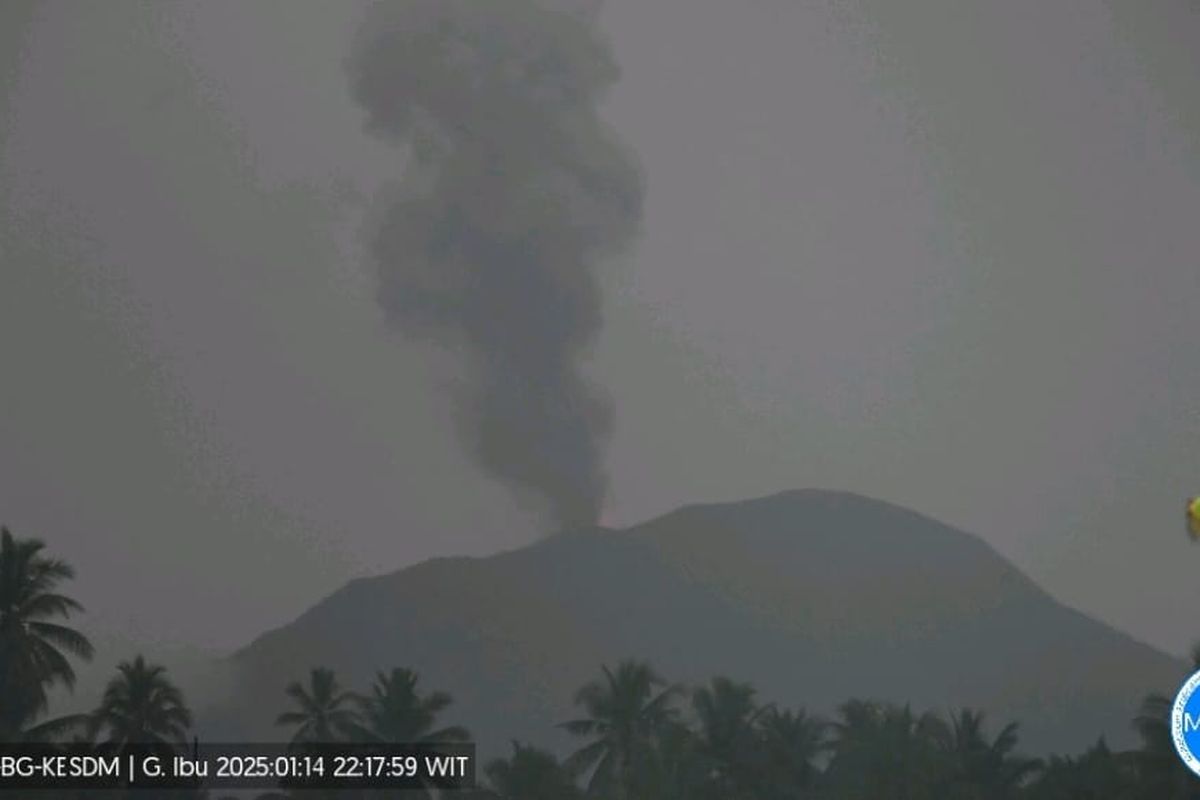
x=1185, y=723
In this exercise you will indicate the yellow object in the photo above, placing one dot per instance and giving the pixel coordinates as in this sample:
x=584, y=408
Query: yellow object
x=1193, y=515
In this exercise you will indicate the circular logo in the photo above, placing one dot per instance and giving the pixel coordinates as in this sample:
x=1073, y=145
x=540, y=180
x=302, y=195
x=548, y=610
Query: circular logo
x=1185, y=723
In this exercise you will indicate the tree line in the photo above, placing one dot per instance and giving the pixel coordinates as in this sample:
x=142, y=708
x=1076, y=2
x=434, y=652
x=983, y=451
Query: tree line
x=639, y=736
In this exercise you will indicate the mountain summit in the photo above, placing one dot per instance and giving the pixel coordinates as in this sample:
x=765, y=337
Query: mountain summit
x=812, y=596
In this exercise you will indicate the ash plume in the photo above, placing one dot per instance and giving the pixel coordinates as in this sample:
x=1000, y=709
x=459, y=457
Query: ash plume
x=514, y=193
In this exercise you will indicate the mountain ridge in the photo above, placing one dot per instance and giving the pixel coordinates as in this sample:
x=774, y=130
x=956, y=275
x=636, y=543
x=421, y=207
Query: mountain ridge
x=813, y=596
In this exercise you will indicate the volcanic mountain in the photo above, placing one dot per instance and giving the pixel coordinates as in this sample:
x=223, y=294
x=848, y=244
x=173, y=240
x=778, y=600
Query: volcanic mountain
x=814, y=597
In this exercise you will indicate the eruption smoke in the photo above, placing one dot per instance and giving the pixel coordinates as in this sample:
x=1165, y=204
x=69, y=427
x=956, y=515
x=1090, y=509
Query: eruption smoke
x=514, y=194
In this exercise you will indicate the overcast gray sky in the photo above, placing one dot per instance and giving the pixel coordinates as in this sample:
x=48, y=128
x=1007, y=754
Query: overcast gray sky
x=941, y=252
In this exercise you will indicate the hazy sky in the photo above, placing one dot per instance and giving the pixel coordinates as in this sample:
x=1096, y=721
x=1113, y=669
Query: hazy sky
x=943, y=253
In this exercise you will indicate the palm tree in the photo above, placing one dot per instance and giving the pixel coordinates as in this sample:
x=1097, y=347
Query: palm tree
x=1099, y=774
x=624, y=710
x=791, y=743
x=141, y=706
x=727, y=714
x=323, y=711
x=531, y=774
x=987, y=770
x=673, y=767
x=34, y=647
x=887, y=751
x=395, y=713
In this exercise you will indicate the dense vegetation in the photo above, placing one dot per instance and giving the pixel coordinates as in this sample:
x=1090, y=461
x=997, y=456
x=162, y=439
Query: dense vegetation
x=639, y=736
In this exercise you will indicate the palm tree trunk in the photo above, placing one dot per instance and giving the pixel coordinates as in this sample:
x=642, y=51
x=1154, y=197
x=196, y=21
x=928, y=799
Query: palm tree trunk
x=621, y=784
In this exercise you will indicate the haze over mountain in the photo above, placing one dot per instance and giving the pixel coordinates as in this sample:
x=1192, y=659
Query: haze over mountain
x=941, y=252
x=812, y=596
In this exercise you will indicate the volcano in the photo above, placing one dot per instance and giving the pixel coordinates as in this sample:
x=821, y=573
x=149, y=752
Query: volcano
x=814, y=597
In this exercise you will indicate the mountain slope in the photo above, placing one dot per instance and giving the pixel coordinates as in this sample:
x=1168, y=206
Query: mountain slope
x=812, y=596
